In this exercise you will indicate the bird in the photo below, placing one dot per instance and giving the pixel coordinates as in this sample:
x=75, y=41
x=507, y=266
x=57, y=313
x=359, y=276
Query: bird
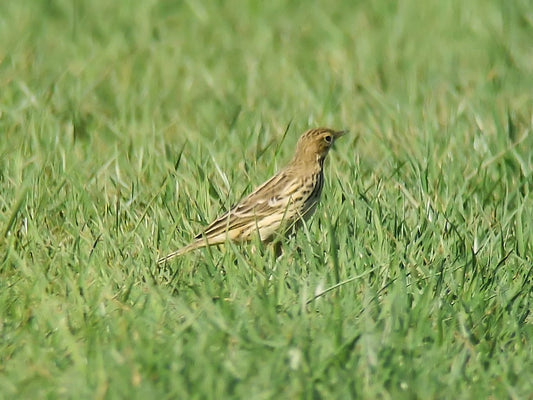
x=280, y=205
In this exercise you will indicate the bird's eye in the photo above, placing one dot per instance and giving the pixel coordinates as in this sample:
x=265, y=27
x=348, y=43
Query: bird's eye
x=328, y=138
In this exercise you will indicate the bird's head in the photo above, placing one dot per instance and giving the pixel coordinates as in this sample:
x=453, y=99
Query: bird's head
x=314, y=144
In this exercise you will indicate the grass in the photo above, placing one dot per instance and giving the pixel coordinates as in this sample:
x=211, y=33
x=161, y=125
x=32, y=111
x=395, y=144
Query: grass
x=126, y=127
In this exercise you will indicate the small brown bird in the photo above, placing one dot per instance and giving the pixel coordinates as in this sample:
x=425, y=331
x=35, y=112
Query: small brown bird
x=280, y=204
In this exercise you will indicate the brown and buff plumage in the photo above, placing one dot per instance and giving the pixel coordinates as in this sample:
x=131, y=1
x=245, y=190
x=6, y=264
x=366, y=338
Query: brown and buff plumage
x=281, y=203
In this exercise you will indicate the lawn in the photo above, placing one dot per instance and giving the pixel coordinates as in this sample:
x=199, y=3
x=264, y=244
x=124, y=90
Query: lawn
x=125, y=127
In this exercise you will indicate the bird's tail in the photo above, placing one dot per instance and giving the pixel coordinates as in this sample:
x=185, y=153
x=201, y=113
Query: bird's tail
x=183, y=250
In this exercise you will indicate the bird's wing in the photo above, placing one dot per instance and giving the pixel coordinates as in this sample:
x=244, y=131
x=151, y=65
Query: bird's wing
x=271, y=197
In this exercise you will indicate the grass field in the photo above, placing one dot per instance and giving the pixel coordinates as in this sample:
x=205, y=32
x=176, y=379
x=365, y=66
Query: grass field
x=126, y=126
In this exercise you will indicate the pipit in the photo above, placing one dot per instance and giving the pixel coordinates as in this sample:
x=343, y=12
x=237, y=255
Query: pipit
x=277, y=206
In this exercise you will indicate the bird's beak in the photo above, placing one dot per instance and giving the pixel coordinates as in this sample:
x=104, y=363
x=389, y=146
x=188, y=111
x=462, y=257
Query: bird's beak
x=338, y=134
